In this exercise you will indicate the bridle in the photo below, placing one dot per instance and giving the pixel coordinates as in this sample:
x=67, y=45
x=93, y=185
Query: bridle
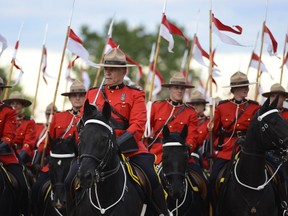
x=99, y=173
x=264, y=128
x=102, y=175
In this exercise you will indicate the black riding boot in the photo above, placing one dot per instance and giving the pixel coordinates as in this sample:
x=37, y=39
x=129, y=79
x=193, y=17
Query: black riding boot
x=159, y=201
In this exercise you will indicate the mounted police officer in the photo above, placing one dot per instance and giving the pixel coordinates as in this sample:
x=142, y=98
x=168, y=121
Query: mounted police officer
x=231, y=120
x=63, y=125
x=128, y=119
x=198, y=102
x=8, y=125
x=24, y=140
x=278, y=90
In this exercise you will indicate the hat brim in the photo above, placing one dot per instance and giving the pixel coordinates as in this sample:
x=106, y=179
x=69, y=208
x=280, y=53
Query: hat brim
x=5, y=86
x=24, y=102
x=116, y=66
x=240, y=85
x=170, y=85
x=75, y=92
x=197, y=101
x=267, y=94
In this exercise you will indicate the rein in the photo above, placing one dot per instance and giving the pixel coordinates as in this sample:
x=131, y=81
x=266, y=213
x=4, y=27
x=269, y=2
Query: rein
x=101, y=175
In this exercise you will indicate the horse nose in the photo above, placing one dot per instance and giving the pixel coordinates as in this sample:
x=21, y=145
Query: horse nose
x=85, y=178
x=58, y=204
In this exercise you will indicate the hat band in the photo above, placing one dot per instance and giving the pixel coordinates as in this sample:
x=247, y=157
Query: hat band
x=177, y=83
x=115, y=62
x=239, y=83
x=78, y=90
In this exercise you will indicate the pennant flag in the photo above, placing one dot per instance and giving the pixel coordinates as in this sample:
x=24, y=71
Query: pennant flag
x=166, y=31
x=270, y=40
x=199, y=53
x=255, y=61
x=68, y=70
x=218, y=26
x=158, y=80
x=75, y=45
x=111, y=44
x=44, y=63
x=18, y=68
x=85, y=79
x=4, y=44
x=285, y=61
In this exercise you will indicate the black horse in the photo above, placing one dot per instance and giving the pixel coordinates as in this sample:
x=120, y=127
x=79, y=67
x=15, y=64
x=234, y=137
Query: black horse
x=105, y=187
x=52, y=200
x=182, y=199
x=249, y=190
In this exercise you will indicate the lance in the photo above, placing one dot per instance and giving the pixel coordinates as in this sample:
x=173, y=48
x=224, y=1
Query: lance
x=104, y=50
x=152, y=54
x=156, y=55
x=211, y=123
x=252, y=53
x=190, y=56
x=13, y=62
x=284, y=58
x=39, y=72
x=57, y=84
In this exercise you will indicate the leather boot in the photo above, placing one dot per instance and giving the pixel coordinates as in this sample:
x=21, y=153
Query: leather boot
x=159, y=201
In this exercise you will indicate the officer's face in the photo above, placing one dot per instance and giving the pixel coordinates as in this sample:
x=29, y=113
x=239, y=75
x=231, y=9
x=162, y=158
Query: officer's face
x=176, y=93
x=241, y=92
x=114, y=76
x=17, y=106
x=281, y=100
x=77, y=100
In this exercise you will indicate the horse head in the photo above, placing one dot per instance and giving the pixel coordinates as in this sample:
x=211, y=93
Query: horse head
x=97, y=143
x=269, y=129
x=62, y=153
x=174, y=161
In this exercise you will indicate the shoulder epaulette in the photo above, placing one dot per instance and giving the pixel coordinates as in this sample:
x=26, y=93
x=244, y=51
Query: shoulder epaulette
x=223, y=101
x=157, y=101
x=96, y=87
x=134, y=87
x=27, y=118
x=253, y=102
x=5, y=105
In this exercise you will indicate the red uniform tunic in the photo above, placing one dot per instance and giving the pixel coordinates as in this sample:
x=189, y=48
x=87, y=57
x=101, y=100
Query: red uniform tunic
x=160, y=112
x=63, y=125
x=225, y=113
x=7, y=131
x=284, y=113
x=25, y=135
x=130, y=103
x=40, y=133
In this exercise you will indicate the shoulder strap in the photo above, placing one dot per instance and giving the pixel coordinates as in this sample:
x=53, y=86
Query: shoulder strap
x=171, y=118
x=239, y=114
x=112, y=109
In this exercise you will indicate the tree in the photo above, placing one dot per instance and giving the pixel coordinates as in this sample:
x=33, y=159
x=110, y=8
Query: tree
x=136, y=43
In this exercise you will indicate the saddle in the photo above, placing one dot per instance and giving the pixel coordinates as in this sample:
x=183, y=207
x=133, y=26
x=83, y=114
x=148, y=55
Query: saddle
x=197, y=183
x=11, y=178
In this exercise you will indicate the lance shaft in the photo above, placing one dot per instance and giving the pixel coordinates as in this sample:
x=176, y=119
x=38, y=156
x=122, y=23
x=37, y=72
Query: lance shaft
x=284, y=58
x=55, y=95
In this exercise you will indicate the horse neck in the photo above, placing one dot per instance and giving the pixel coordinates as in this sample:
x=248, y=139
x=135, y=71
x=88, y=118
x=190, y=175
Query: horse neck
x=251, y=164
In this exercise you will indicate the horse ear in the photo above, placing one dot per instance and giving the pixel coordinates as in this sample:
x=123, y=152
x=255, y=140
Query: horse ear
x=106, y=111
x=184, y=132
x=274, y=102
x=165, y=131
x=87, y=109
x=265, y=105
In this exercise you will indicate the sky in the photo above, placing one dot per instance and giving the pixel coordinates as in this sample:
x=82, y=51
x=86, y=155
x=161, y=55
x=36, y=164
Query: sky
x=192, y=14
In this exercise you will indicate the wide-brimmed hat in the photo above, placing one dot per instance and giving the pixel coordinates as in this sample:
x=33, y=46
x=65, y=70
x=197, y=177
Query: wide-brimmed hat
x=2, y=85
x=178, y=79
x=17, y=96
x=115, y=58
x=276, y=89
x=76, y=87
x=49, y=108
x=197, y=97
x=239, y=79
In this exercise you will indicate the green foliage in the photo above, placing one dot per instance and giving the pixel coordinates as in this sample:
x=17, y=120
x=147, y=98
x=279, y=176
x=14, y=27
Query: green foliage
x=137, y=44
